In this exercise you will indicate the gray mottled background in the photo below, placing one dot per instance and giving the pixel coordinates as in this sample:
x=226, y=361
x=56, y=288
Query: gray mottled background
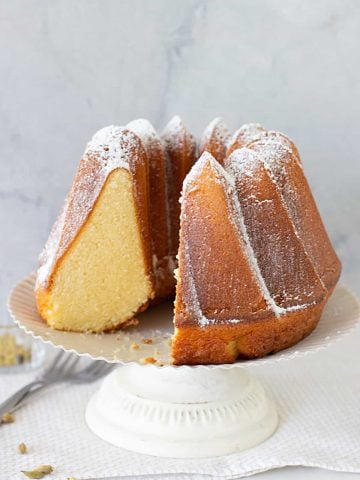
x=70, y=67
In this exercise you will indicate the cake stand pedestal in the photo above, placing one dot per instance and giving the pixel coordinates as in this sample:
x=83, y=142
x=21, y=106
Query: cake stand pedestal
x=182, y=413
x=163, y=410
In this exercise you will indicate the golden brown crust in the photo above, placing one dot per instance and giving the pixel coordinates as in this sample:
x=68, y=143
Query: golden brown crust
x=180, y=153
x=285, y=266
x=139, y=168
x=158, y=211
x=225, y=343
x=284, y=163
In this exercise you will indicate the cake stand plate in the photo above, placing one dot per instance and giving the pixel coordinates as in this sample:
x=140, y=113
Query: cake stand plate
x=163, y=410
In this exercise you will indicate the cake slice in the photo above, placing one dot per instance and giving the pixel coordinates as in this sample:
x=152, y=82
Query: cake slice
x=95, y=272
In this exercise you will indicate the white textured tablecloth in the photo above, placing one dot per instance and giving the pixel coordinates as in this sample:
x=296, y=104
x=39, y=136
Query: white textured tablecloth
x=318, y=398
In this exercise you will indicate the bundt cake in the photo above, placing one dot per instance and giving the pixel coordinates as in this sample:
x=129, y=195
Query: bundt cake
x=253, y=263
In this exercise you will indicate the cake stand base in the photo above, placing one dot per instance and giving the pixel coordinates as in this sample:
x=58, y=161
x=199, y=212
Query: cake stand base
x=181, y=412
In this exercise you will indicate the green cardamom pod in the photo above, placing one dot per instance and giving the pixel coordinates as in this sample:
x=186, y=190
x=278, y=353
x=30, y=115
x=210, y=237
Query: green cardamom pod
x=39, y=472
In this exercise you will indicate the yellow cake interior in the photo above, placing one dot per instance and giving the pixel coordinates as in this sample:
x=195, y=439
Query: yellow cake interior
x=102, y=279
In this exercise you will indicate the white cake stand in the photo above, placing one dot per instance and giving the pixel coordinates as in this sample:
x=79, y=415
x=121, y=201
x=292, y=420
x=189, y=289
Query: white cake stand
x=169, y=411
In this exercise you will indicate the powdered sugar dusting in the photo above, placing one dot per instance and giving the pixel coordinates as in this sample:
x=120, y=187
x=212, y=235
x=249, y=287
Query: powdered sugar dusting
x=216, y=130
x=173, y=128
x=106, y=145
x=144, y=129
x=277, y=154
x=245, y=134
x=176, y=134
x=273, y=145
x=241, y=158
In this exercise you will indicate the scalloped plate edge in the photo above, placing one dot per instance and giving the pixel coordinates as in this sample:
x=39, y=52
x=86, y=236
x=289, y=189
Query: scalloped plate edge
x=288, y=354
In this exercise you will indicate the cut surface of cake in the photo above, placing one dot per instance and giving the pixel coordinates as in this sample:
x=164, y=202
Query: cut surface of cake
x=254, y=264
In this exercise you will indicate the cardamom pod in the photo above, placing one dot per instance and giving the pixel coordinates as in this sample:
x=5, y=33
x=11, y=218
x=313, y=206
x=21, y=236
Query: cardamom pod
x=38, y=472
x=8, y=418
x=22, y=448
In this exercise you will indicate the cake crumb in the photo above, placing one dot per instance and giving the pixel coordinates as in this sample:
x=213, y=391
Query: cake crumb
x=148, y=360
x=135, y=346
x=8, y=418
x=22, y=448
x=132, y=322
x=147, y=341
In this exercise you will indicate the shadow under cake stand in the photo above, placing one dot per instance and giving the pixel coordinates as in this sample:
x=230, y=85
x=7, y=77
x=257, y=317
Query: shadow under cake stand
x=187, y=411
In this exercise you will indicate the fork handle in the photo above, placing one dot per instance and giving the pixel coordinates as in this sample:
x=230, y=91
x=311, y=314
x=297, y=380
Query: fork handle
x=19, y=396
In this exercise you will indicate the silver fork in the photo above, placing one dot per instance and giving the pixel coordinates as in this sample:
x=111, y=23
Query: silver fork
x=61, y=369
